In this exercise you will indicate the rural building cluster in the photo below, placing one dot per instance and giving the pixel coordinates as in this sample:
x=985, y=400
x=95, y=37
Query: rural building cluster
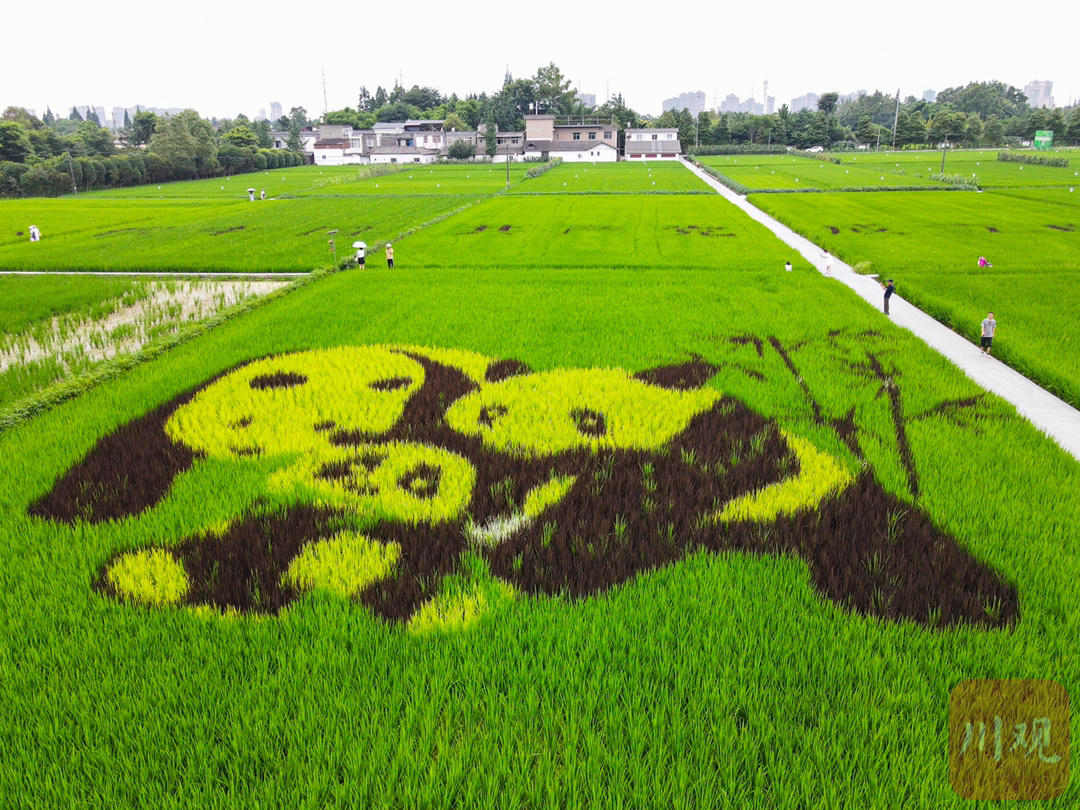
x=574, y=138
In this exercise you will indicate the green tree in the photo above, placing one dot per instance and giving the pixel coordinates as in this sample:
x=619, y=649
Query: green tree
x=470, y=111
x=92, y=116
x=143, y=127
x=453, y=122
x=973, y=131
x=827, y=103
x=723, y=130
x=186, y=143
x=1073, y=131
x=553, y=93
x=91, y=139
x=687, y=128
x=297, y=122
x=14, y=143
x=48, y=143
x=985, y=99
x=262, y=132
x=461, y=150
x=423, y=98
x=491, y=138
x=397, y=111
x=1055, y=122
x=993, y=131
x=241, y=136
x=866, y=131
x=75, y=115
x=1036, y=121
x=364, y=101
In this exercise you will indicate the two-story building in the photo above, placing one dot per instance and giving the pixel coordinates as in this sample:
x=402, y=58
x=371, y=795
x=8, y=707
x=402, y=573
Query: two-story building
x=574, y=138
x=652, y=144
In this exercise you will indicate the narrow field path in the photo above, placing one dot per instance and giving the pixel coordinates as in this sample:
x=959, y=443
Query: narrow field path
x=1054, y=417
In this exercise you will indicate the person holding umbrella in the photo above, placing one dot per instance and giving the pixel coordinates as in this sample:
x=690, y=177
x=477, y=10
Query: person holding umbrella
x=360, y=248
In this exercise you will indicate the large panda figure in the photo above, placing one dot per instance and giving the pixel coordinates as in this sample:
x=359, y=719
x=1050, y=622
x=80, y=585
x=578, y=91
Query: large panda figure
x=395, y=473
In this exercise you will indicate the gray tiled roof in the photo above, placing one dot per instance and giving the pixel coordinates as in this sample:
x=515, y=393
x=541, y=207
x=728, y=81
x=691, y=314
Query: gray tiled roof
x=653, y=147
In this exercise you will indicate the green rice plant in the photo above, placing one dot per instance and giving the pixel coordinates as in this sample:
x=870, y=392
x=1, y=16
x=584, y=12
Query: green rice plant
x=793, y=173
x=931, y=244
x=615, y=178
x=677, y=688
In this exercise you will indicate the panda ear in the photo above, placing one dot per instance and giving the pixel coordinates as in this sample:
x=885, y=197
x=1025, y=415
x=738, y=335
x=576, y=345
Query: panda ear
x=127, y=472
x=685, y=377
x=505, y=369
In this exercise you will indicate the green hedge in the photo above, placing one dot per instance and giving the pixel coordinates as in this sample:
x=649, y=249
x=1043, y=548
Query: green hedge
x=1034, y=160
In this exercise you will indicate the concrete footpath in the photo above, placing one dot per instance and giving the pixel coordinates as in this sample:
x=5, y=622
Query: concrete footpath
x=1052, y=416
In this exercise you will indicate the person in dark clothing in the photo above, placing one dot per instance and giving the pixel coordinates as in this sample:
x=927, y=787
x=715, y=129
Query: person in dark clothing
x=889, y=288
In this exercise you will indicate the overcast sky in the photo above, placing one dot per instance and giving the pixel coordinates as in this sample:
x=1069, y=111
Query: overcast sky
x=237, y=56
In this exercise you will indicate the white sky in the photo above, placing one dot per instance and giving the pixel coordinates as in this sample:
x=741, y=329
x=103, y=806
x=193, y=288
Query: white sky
x=236, y=56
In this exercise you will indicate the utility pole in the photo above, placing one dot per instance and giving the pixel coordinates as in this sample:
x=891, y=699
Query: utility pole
x=896, y=118
x=71, y=171
x=325, y=108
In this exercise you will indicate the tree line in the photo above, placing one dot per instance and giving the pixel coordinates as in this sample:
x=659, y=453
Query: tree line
x=53, y=156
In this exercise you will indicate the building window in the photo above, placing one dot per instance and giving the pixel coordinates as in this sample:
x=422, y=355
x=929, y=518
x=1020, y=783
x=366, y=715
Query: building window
x=607, y=136
x=577, y=136
x=654, y=137
x=592, y=136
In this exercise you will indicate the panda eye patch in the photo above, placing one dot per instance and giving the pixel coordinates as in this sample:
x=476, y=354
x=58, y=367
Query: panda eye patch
x=422, y=481
x=392, y=384
x=279, y=379
x=589, y=422
x=488, y=415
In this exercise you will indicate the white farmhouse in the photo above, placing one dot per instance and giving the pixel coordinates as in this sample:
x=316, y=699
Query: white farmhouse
x=653, y=144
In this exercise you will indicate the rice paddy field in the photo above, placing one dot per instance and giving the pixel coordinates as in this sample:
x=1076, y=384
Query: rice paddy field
x=890, y=170
x=796, y=173
x=585, y=504
x=931, y=243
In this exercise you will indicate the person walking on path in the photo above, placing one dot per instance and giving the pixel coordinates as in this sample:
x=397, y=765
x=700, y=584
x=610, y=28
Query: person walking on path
x=828, y=262
x=989, y=329
x=889, y=288
x=389, y=256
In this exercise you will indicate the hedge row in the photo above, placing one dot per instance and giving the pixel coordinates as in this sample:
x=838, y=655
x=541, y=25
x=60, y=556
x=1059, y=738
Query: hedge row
x=1034, y=160
x=736, y=149
x=63, y=174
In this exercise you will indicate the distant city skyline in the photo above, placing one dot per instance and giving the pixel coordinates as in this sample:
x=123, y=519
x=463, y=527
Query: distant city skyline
x=222, y=59
x=1039, y=92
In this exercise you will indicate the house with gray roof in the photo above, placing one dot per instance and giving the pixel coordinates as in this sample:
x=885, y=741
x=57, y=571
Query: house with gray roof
x=652, y=144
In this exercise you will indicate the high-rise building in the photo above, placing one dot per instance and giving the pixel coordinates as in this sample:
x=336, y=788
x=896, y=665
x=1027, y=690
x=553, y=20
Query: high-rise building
x=929, y=96
x=807, y=102
x=588, y=100
x=275, y=110
x=694, y=102
x=1040, y=93
x=729, y=104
